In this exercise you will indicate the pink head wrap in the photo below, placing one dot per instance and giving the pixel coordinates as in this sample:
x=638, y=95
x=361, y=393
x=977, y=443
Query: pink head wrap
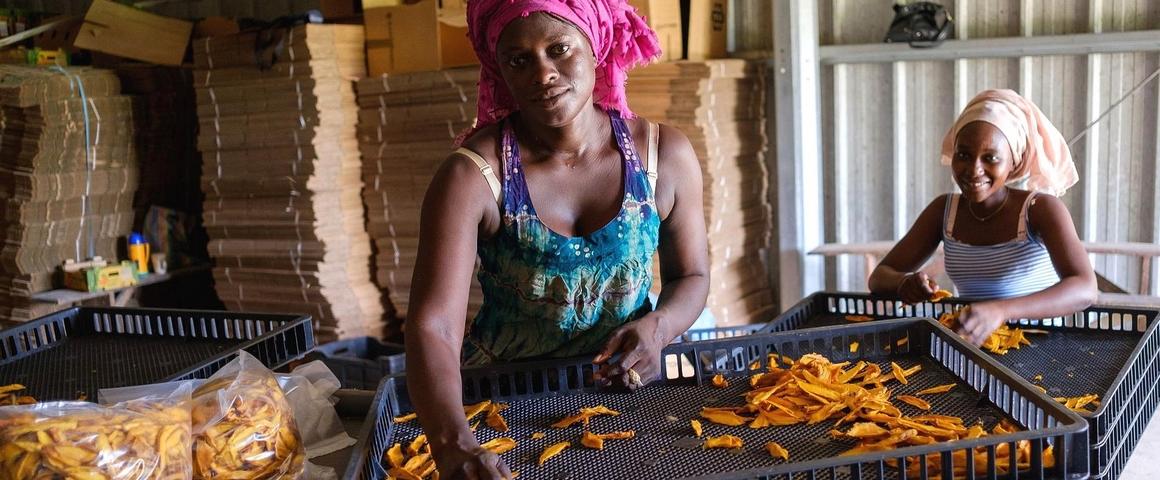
x=1041, y=155
x=620, y=40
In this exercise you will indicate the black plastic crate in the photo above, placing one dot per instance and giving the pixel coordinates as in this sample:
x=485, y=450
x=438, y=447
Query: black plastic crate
x=361, y=363
x=545, y=391
x=1106, y=350
x=80, y=350
x=1113, y=453
x=702, y=334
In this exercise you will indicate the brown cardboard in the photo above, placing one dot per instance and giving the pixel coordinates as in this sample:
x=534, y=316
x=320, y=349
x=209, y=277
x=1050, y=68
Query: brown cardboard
x=664, y=17
x=125, y=31
x=215, y=27
x=417, y=37
x=707, y=34
x=710, y=102
x=336, y=9
x=281, y=176
x=407, y=124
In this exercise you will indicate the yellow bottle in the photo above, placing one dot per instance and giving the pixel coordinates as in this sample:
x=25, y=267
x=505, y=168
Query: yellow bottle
x=139, y=252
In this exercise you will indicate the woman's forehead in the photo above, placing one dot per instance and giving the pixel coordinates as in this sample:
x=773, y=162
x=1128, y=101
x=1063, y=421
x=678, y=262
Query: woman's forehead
x=980, y=133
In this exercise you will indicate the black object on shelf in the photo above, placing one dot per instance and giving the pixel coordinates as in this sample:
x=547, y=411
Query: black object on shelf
x=1107, y=350
x=542, y=392
x=361, y=363
x=77, y=351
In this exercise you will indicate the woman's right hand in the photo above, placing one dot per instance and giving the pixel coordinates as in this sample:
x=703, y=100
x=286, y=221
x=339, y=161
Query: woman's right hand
x=916, y=287
x=476, y=463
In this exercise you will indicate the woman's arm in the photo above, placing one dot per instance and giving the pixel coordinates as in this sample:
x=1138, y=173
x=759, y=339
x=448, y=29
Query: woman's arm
x=454, y=211
x=896, y=275
x=684, y=262
x=1076, y=289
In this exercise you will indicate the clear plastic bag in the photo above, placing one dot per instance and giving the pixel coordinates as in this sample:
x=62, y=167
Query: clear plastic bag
x=309, y=389
x=143, y=439
x=243, y=427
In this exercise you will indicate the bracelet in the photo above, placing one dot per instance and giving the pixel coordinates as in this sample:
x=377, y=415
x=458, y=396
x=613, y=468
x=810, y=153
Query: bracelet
x=898, y=291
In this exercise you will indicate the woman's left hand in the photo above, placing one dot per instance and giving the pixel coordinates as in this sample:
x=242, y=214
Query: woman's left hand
x=979, y=320
x=636, y=347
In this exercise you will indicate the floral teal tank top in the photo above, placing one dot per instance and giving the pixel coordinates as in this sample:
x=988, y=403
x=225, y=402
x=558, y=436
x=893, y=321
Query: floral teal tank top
x=549, y=295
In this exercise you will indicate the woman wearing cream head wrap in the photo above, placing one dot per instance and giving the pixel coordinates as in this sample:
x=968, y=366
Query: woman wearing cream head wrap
x=565, y=197
x=1041, y=155
x=1015, y=251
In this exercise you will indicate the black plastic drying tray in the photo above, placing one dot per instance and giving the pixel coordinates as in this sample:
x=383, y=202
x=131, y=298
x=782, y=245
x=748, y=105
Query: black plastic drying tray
x=540, y=393
x=1106, y=350
x=361, y=362
x=77, y=351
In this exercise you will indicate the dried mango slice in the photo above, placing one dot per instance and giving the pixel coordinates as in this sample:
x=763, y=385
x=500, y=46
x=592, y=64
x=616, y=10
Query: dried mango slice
x=940, y=295
x=915, y=402
x=724, y=417
x=538, y=435
x=584, y=415
x=395, y=457
x=406, y=418
x=865, y=430
x=899, y=373
x=552, y=451
x=1078, y=403
x=858, y=318
x=723, y=441
x=416, y=445
x=719, y=381
x=401, y=473
x=415, y=464
x=599, y=410
x=472, y=410
x=500, y=446
x=9, y=397
x=939, y=389
x=596, y=441
x=494, y=419
x=777, y=451
x=696, y=427
x=592, y=440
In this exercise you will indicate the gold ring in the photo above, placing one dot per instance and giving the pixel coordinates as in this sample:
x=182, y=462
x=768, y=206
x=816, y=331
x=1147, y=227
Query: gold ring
x=634, y=378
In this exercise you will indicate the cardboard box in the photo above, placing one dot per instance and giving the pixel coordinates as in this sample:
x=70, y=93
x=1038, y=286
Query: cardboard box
x=335, y=9
x=215, y=27
x=664, y=17
x=125, y=31
x=428, y=35
x=706, y=28
x=112, y=277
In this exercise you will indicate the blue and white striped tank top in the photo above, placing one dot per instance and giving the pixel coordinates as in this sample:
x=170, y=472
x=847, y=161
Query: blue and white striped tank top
x=1014, y=268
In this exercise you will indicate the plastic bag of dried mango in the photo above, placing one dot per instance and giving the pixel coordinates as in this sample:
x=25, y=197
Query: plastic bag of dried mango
x=144, y=439
x=243, y=427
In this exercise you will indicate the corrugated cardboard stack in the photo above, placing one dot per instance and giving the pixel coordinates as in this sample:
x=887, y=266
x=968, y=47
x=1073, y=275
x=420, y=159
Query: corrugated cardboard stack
x=720, y=105
x=282, y=176
x=407, y=124
x=67, y=176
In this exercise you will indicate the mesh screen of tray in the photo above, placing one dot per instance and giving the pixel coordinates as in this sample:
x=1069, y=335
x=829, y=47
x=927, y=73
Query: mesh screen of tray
x=1072, y=363
x=82, y=364
x=668, y=449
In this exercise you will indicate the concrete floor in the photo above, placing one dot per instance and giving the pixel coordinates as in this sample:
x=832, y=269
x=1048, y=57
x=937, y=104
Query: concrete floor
x=1145, y=461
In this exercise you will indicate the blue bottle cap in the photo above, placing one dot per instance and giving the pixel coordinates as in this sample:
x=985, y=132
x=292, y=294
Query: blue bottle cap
x=136, y=238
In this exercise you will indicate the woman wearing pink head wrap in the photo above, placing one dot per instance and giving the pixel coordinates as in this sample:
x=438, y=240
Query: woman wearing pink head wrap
x=1014, y=250
x=564, y=212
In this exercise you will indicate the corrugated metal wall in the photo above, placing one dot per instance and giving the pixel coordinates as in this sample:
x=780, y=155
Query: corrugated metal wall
x=882, y=123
